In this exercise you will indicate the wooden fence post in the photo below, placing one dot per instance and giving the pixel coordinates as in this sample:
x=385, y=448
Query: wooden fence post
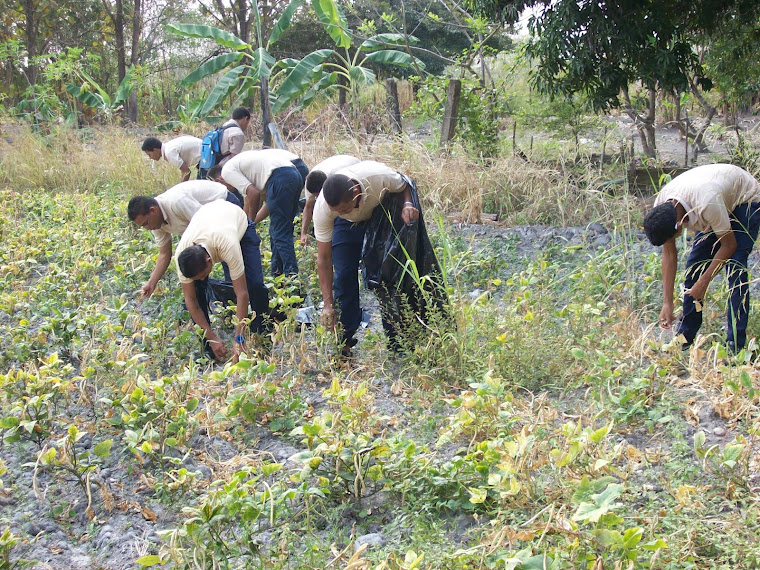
x=451, y=112
x=393, y=107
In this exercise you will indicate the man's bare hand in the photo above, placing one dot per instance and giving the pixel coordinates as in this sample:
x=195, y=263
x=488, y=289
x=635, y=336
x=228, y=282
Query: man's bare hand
x=698, y=290
x=217, y=346
x=409, y=213
x=147, y=290
x=304, y=240
x=328, y=317
x=666, y=316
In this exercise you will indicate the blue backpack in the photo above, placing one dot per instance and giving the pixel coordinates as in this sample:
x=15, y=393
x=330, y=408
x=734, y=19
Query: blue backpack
x=211, y=151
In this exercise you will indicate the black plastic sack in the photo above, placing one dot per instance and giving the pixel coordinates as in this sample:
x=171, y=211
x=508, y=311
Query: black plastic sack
x=389, y=247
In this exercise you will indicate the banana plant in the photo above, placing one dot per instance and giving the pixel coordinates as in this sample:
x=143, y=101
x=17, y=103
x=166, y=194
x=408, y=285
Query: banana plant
x=299, y=80
x=93, y=95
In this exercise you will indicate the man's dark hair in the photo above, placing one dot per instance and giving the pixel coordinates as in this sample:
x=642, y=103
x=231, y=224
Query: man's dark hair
x=192, y=261
x=151, y=143
x=337, y=189
x=214, y=172
x=660, y=223
x=241, y=113
x=139, y=206
x=315, y=180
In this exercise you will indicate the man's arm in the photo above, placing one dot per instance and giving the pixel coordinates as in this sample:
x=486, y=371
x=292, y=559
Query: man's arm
x=669, y=268
x=241, y=293
x=409, y=213
x=252, y=201
x=185, y=169
x=325, y=273
x=724, y=253
x=188, y=290
x=262, y=213
x=308, y=214
x=162, y=264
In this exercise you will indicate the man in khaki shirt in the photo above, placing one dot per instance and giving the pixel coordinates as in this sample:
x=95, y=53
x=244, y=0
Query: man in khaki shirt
x=169, y=214
x=721, y=202
x=183, y=152
x=233, y=136
x=314, y=181
x=347, y=201
x=221, y=232
x=257, y=174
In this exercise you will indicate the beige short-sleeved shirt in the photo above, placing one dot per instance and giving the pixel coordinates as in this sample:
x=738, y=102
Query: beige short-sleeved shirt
x=182, y=150
x=252, y=167
x=233, y=138
x=218, y=226
x=332, y=164
x=282, y=153
x=375, y=179
x=709, y=194
x=180, y=203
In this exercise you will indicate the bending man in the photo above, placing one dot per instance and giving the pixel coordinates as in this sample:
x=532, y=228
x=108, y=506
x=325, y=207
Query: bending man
x=721, y=202
x=169, y=214
x=221, y=232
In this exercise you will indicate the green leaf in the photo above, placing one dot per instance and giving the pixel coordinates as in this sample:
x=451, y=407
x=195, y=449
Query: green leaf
x=283, y=22
x=171, y=441
x=607, y=538
x=361, y=75
x=221, y=91
x=381, y=41
x=334, y=21
x=213, y=65
x=103, y=449
x=394, y=57
x=221, y=37
x=9, y=422
x=150, y=560
x=602, y=503
x=191, y=405
x=89, y=99
x=300, y=78
x=261, y=64
x=125, y=88
x=270, y=468
x=309, y=429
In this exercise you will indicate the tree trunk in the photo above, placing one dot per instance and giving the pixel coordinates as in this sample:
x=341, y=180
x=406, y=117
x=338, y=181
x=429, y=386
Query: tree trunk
x=121, y=57
x=134, y=57
x=266, y=113
x=645, y=124
x=32, y=24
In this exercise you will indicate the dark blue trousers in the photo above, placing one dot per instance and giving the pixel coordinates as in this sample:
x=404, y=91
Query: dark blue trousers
x=302, y=169
x=347, y=241
x=254, y=279
x=283, y=189
x=745, y=223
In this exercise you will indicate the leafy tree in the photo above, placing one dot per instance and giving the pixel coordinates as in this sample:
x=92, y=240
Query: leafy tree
x=601, y=49
x=300, y=79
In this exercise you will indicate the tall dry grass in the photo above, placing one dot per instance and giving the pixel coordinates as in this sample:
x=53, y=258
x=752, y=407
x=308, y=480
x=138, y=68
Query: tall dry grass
x=80, y=160
x=451, y=183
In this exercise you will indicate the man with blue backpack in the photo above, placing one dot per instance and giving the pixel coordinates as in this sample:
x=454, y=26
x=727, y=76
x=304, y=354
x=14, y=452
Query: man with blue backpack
x=222, y=143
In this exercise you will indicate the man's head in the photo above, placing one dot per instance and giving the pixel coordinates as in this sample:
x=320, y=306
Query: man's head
x=314, y=181
x=152, y=147
x=661, y=223
x=341, y=193
x=215, y=173
x=195, y=263
x=242, y=117
x=145, y=212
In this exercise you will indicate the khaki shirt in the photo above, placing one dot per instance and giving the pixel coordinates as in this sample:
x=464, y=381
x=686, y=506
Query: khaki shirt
x=332, y=164
x=252, y=167
x=233, y=138
x=180, y=203
x=218, y=227
x=182, y=150
x=375, y=179
x=709, y=194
